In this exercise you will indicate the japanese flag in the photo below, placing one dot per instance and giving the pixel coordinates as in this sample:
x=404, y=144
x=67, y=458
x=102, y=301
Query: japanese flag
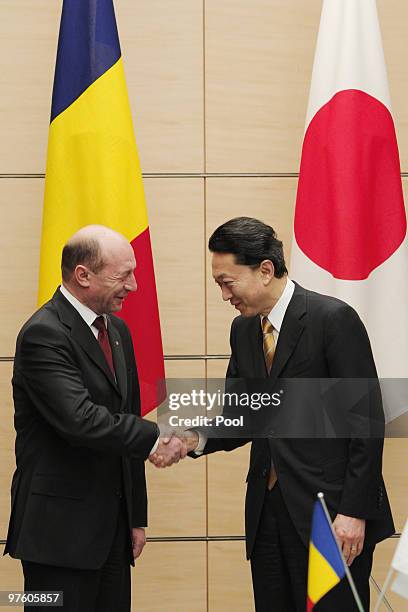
x=350, y=223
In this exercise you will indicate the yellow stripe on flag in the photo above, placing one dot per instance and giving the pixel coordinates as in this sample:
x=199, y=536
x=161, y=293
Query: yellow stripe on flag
x=321, y=576
x=93, y=172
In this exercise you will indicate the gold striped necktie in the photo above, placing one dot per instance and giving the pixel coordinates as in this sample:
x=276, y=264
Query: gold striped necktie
x=268, y=343
x=269, y=352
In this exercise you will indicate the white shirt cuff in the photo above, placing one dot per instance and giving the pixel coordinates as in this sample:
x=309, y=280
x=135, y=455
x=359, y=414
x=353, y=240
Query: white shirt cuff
x=202, y=441
x=154, y=449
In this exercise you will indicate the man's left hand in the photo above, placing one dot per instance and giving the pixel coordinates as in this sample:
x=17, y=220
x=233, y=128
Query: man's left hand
x=350, y=535
x=138, y=541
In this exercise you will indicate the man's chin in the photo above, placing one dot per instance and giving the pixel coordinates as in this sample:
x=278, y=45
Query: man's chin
x=247, y=312
x=117, y=305
x=115, y=308
x=243, y=311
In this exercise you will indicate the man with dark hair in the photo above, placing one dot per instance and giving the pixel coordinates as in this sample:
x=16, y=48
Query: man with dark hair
x=287, y=332
x=79, y=502
x=251, y=241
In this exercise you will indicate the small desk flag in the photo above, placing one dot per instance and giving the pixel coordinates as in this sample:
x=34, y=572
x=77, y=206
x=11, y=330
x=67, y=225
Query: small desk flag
x=326, y=566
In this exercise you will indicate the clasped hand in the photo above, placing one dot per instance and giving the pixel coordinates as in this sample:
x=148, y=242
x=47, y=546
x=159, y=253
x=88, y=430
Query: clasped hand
x=172, y=448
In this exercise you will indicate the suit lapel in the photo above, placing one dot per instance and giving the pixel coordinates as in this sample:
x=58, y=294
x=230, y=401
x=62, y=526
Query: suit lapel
x=82, y=334
x=256, y=345
x=291, y=330
x=118, y=359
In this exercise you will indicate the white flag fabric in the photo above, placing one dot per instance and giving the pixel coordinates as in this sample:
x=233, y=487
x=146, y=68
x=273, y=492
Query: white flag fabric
x=350, y=225
x=400, y=564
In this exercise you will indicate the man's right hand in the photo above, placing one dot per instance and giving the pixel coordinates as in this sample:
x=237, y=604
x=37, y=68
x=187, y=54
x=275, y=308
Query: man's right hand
x=172, y=448
x=169, y=451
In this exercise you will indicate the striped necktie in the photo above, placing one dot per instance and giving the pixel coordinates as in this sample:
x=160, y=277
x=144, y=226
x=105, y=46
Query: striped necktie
x=104, y=343
x=269, y=352
x=268, y=343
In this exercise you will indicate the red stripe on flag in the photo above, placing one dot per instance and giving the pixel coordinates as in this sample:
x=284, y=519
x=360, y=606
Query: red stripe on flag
x=350, y=214
x=141, y=313
x=309, y=605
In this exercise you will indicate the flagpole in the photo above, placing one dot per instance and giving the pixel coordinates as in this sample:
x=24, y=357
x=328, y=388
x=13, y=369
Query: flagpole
x=384, y=589
x=347, y=571
x=377, y=588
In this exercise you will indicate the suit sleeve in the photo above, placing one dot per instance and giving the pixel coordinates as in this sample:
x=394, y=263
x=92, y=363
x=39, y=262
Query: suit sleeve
x=49, y=375
x=139, y=494
x=137, y=466
x=349, y=357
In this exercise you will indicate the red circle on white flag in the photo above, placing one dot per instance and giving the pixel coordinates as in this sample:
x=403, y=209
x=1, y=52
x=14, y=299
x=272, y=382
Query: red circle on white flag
x=350, y=214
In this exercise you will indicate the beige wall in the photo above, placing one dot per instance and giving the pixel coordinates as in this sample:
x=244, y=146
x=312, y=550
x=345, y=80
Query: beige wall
x=216, y=87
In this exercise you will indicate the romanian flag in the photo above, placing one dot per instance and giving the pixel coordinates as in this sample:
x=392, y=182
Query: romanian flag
x=326, y=565
x=93, y=174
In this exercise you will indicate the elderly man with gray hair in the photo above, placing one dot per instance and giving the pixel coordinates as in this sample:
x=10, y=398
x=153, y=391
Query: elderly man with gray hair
x=79, y=501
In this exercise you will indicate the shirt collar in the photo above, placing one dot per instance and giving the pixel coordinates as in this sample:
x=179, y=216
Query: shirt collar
x=278, y=311
x=86, y=313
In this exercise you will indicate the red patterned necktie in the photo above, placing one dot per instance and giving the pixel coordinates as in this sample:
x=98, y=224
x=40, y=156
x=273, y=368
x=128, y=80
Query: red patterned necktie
x=104, y=343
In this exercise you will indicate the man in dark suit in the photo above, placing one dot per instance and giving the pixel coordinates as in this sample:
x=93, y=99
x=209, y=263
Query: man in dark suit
x=79, y=502
x=287, y=332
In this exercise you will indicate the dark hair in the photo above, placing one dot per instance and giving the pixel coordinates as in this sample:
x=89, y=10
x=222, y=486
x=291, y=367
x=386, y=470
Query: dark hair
x=251, y=241
x=86, y=252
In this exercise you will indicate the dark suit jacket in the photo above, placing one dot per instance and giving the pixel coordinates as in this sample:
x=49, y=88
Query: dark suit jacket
x=321, y=337
x=80, y=443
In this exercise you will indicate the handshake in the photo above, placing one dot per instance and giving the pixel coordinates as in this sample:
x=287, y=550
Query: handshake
x=172, y=448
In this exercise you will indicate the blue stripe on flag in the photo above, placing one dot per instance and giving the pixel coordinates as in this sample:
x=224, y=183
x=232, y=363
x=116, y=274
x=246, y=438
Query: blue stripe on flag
x=88, y=46
x=323, y=539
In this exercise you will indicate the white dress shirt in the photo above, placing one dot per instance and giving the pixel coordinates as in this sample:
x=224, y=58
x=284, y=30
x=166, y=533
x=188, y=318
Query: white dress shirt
x=278, y=312
x=86, y=313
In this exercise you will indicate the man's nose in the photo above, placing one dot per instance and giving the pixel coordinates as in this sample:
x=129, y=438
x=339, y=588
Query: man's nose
x=226, y=293
x=131, y=284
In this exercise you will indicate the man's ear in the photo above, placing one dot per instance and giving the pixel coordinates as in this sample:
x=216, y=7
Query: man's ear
x=267, y=270
x=81, y=274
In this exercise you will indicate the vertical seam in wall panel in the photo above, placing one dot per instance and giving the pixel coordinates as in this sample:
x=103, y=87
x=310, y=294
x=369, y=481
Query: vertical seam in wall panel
x=206, y=271
x=204, y=94
x=206, y=372
x=205, y=289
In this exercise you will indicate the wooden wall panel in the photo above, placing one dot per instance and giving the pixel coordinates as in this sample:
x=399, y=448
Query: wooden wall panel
x=162, y=47
x=177, y=499
x=396, y=478
x=176, y=212
x=7, y=437
x=171, y=576
x=11, y=575
x=226, y=478
x=393, y=15
x=216, y=368
x=229, y=578
x=28, y=46
x=259, y=59
x=21, y=203
x=272, y=201
x=185, y=368
x=226, y=491
x=178, y=494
